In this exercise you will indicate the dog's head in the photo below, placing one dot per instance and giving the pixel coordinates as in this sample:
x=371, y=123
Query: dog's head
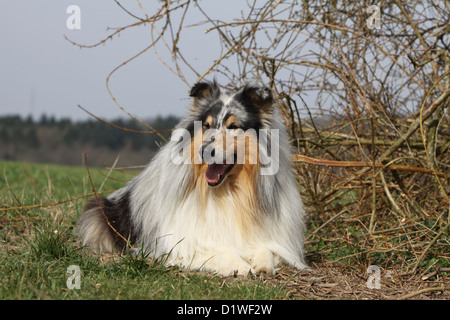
x=227, y=141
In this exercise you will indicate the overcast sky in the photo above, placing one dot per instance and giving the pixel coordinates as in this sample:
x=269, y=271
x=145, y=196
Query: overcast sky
x=42, y=73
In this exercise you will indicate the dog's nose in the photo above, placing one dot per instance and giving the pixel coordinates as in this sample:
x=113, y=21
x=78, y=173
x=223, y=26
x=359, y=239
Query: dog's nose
x=210, y=154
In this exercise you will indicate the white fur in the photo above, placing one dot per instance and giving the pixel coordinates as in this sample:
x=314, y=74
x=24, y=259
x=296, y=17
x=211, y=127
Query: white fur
x=171, y=222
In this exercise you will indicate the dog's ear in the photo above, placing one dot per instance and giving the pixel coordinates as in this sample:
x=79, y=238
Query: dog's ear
x=260, y=97
x=205, y=90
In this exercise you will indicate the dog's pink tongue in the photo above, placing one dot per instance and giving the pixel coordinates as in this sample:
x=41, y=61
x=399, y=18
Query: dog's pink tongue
x=214, y=172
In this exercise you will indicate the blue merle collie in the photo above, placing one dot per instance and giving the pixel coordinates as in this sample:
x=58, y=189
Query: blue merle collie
x=210, y=199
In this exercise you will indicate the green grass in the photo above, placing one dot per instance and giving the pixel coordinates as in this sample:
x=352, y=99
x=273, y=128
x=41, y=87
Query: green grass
x=38, y=244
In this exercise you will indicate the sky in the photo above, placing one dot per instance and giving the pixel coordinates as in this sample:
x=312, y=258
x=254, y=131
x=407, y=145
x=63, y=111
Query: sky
x=43, y=73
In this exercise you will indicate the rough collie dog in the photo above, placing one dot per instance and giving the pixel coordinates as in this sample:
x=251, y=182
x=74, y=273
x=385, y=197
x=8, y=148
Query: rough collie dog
x=220, y=196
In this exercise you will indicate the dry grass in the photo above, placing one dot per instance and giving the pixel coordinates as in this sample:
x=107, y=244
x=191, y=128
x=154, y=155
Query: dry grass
x=340, y=282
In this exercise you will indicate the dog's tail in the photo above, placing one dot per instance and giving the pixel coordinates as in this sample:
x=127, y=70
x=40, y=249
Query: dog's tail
x=104, y=225
x=93, y=230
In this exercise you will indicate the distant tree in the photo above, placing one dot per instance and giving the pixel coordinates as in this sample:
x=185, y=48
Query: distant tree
x=4, y=136
x=64, y=123
x=43, y=120
x=29, y=120
x=31, y=139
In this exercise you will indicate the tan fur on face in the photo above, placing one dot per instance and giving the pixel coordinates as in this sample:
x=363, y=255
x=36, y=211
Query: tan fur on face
x=237, y=193
x=208, y=122
x=231, y=120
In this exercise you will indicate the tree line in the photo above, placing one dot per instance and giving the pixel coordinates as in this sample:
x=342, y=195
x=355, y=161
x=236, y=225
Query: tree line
x=37, y=140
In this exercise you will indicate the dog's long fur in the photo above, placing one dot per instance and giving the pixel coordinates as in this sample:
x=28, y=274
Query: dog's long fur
x=249, y=222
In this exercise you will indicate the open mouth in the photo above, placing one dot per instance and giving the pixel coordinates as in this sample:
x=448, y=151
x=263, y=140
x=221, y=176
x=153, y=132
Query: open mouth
x=216, y=173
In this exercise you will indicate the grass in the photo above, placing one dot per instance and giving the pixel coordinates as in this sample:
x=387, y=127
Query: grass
x=38, y=244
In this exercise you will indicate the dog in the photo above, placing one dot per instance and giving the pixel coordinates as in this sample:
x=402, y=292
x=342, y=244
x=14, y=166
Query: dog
x=220, y=196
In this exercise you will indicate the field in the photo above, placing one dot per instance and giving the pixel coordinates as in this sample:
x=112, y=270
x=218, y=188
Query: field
x=40, y=205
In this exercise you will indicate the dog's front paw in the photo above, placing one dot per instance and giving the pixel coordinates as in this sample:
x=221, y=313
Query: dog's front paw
x=226, y=263
x=243, y=270
x=264, y=261
x=234, y=267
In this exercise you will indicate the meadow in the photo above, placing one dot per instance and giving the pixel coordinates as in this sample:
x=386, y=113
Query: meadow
x=40, y=205
x=39, y=243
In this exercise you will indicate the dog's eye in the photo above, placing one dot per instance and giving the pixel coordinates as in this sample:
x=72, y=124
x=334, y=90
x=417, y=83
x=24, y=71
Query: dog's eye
x=232, y=126
x=206, y=125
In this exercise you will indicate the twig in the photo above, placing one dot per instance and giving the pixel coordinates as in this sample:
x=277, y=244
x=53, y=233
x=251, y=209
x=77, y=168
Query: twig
x=329, y=220
x=53, y=203
x=422, y=116
x=110, y=37
x=333, y=163
x=232, y=47
x=435, y=272
x=426, y=290
x=127, y=11
x=123, y=128
x=388, y=193
x=374, y=179
x=416, y=124
x=101, y=206
x=9, y=188
x=109, y=172
x=438, y=235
